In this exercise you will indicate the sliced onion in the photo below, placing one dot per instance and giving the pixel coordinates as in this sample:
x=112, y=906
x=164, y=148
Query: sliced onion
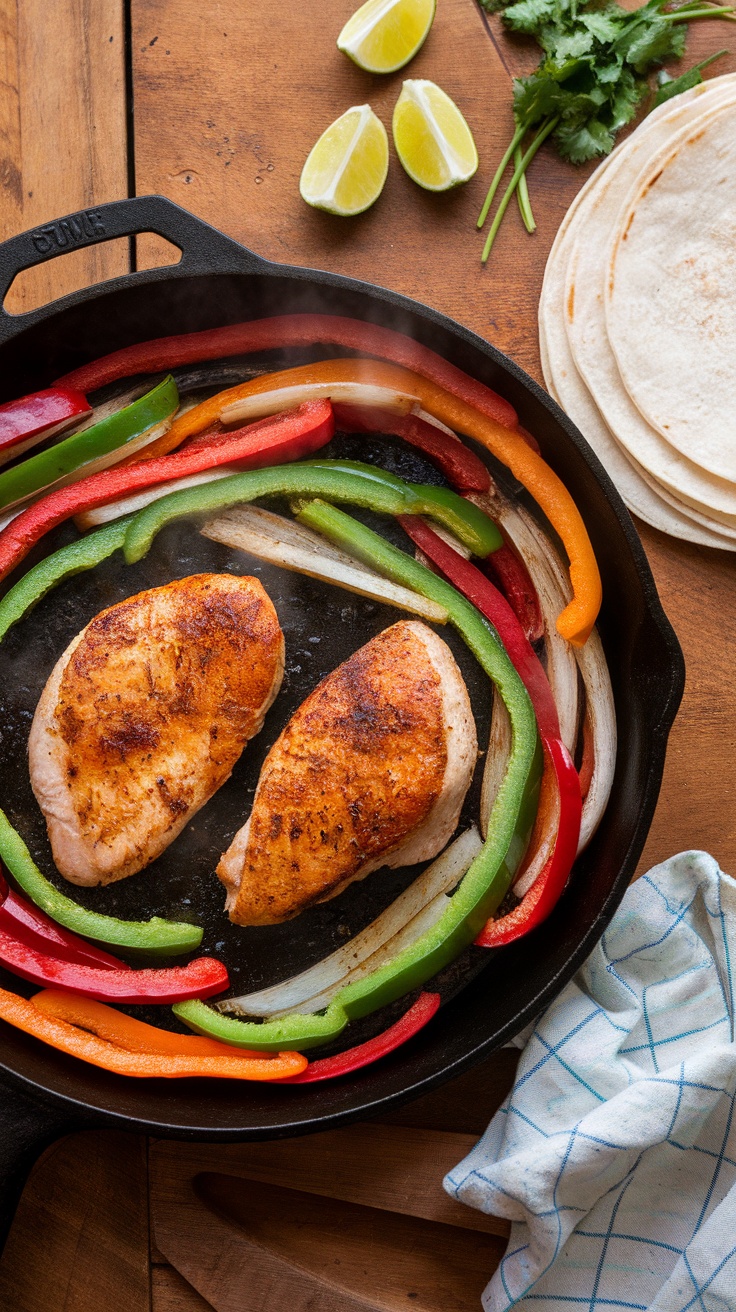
x=330, y=974
x=447, y=537
x=497, y=758
x=530, y=541
x=284, y=398
x=436, y=423
x=602, y=712
x=313, y=560
x=127, y=505
x=267, y=524
x=544, y=565
x=95, y=466
x=405, y=937
x=109, y=408
x=543, y=837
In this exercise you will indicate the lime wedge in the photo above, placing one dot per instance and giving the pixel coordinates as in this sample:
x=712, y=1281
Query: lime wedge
x=346, y=169
x=433, y=141
x=383, y=35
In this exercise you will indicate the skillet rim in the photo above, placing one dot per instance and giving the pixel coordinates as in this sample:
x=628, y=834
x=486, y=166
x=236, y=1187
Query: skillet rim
x=209, y=252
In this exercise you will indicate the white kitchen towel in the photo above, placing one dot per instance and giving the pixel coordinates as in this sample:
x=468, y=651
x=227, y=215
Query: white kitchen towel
x=614, y=1156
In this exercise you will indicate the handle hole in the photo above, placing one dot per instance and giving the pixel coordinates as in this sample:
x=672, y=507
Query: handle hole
x=85, y=266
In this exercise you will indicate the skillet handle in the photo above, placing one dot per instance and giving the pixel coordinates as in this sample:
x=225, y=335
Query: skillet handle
x=204, y=249
x=27, y=1127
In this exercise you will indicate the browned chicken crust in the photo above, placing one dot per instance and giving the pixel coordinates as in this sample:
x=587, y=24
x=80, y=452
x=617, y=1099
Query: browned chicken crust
x=146, y=714
x=357, y=772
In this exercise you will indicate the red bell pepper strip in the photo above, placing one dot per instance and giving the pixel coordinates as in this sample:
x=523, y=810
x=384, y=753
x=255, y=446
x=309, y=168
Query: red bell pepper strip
x=32, y=927
x=271, y=441
x=200, y=979
x=33, y=418
x=166, y=353
x=345, y=1063
x=549, y=885
x=479, y=590
x=461, y=467
x=513, y=576
x=468, y=579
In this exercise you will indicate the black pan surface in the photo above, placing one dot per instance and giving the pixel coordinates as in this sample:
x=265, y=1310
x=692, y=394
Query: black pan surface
x=218, y=282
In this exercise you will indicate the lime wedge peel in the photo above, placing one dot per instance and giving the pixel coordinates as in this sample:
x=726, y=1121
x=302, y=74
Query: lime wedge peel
x=345, y=170
x=383, y=35
x=432, y=139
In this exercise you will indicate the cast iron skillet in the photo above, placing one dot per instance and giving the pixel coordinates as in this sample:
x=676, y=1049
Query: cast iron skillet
x=216, y=282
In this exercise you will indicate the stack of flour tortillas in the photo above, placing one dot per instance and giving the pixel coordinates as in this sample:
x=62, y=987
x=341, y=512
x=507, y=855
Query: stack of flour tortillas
x=637, y=318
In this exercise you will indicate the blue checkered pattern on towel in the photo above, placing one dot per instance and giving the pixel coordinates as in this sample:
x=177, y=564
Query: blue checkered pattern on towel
x=614, y=1157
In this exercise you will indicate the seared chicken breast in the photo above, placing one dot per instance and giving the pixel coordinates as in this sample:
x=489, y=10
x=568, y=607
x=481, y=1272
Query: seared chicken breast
x=144, y=717
x=371, y=771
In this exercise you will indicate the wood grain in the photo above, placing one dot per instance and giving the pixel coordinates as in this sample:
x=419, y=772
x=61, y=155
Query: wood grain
x=390, y=1168
x=228, y=101
x=231, y=149
x=238, y=162
x=79, y=1240
x=62, y=131
x=170, y=1292
x=256, y=1249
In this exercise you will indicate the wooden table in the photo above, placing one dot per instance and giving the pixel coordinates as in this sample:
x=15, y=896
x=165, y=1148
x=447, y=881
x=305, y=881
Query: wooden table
x=216, y=104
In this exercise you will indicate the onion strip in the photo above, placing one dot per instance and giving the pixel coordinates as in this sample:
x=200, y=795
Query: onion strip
x=531, y=542
x=310, y=555
x=499, y=750
x=92, y=466
x=601, y=710
x=127, y=505
x=263, y=404
x=383, y=933
x=550, y=579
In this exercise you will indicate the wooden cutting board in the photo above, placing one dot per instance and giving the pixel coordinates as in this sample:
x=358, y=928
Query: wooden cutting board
x=215, y=104
x=351, y=1221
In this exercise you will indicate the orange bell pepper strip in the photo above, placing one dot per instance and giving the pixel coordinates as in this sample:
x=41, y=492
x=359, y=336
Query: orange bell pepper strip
x=79, y=1041
x=550, y=493
x=127, y=1031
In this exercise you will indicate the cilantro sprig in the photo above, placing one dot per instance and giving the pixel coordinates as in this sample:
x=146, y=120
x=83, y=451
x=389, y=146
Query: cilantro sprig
x=594, y=72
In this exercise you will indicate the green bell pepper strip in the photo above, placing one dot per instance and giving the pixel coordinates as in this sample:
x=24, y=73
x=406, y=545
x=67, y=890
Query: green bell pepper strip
x=333, y=480
x=47, y=467
x=455, y=508
x=489, y=876
x=163, y=937
x=44, y=577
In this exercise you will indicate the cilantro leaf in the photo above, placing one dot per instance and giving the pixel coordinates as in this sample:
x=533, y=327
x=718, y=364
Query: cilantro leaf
x=596, y=60
x=562, y=46
x=583, y=141
x=672, y=86
x=645, y=44
x=605, y=27
x=527, y=15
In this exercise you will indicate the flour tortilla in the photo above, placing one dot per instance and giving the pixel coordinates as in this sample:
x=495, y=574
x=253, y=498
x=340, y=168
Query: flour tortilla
x=567, y=388
x=586, y=325
x=565, y=384
x=683, y=508
x=671, y=294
